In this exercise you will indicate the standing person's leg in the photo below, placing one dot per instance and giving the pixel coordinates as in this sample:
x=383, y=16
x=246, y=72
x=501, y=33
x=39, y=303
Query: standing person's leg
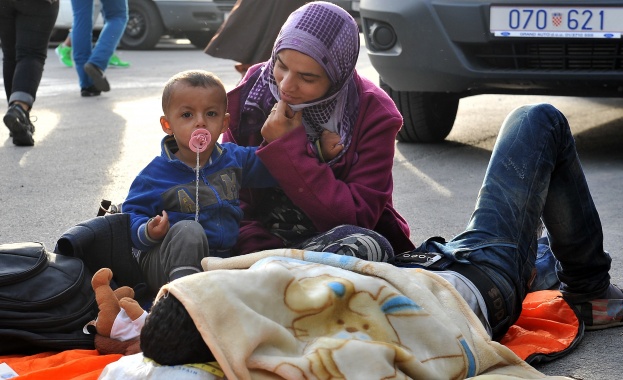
x=8, y=38
x=34, y=27
x=115, y=20
x=33, y=23
x=114, y=59
x=81, y=40
x=63, y=51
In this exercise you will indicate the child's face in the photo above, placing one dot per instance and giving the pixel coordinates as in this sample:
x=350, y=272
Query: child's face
x=192, y=108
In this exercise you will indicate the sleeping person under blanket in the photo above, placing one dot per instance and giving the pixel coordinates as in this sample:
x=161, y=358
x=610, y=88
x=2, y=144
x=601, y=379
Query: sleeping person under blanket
x=293, y=314
x=170, y=337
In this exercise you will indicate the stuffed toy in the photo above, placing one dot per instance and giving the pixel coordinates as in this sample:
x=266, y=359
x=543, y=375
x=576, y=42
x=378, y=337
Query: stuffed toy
x=120, y=318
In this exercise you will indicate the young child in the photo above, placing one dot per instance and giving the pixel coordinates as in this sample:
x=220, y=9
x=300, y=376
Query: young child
x=168, y=232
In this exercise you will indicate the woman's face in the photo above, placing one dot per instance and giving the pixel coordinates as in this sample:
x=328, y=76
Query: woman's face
x=299, y=77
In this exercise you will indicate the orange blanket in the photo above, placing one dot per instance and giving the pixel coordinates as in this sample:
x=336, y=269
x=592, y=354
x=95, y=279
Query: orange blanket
x=70, y=364
x=547, y=328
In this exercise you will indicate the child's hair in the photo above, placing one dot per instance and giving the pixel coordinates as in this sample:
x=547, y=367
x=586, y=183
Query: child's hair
x=170, y=337
x=194, y=78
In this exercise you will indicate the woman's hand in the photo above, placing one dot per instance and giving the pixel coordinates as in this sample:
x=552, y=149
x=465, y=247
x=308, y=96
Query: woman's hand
x=330, y=145
x=158, y=226
x=281, y=121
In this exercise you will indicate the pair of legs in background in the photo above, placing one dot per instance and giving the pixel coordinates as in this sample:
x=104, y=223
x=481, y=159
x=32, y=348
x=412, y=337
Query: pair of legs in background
x=92, y=61
x=25, y=29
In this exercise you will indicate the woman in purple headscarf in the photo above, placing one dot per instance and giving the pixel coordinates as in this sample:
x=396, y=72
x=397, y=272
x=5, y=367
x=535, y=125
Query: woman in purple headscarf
x=309, y=90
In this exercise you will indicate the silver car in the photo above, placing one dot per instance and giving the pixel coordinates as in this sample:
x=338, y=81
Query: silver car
x=431, y=53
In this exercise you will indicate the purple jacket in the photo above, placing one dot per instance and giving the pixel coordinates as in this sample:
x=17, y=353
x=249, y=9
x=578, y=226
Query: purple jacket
x=357, y=190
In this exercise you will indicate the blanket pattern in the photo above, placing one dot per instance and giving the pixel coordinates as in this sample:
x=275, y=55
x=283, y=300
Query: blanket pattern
x=297, y=314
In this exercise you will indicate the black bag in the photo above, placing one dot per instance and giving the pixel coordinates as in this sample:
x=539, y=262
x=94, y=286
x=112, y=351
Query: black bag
x=45, y=300
x=104, y=242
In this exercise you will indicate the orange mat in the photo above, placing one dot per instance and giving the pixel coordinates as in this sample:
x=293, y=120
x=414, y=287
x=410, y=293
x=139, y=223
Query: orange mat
x=70, y=364
x=547, y=328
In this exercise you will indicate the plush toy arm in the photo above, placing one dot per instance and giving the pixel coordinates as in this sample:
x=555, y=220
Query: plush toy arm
x=129, y=321
x=132, y=308
x=124, y=291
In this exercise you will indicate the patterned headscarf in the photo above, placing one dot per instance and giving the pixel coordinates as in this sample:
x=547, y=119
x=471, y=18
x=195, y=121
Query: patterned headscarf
x=330, y=36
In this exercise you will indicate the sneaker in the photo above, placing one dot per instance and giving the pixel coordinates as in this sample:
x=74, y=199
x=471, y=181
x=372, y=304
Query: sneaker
x=64, y=55
x=117, y=62
x=89, y=91
x=97, y=75
x=602, y=313
x=17, y=120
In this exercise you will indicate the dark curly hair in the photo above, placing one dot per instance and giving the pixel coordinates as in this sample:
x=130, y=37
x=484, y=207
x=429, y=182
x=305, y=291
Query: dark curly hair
x=170, y=337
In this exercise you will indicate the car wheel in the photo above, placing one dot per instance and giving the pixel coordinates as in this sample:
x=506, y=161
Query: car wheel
x=144, y=28
x=428, y=116
x=200, y=39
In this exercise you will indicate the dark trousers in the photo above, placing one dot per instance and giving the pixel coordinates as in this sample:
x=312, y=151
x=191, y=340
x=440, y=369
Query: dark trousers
x=181, y=251
x=25, y=29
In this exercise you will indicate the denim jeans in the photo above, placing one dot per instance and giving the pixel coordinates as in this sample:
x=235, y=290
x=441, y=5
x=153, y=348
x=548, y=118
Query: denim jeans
x=546, y=263
x=534, y=172
x=25, y=28
x=115, y=19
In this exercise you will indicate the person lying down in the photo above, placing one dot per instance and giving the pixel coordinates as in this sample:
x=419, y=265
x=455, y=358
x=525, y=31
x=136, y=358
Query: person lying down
x=290, y=314
x=170, y=337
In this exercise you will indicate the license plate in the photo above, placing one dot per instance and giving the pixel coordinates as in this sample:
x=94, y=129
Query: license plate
x=556, y=22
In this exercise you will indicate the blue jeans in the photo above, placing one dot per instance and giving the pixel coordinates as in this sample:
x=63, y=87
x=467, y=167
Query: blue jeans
x=115, y=19
x=25, y=28
x=534, y=172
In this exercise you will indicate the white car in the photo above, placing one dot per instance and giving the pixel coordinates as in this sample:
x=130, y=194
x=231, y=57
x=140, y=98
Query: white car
x=65, y=16
x=149, y=20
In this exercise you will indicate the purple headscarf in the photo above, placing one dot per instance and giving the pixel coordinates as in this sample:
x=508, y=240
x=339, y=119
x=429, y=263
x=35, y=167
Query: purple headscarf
x=330, y=36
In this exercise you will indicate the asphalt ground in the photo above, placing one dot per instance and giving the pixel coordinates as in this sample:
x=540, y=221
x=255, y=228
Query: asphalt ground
x=88, y=149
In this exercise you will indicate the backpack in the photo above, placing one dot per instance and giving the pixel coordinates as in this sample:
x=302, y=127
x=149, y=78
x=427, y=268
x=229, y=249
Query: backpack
x=104, y=242
x=45, y=300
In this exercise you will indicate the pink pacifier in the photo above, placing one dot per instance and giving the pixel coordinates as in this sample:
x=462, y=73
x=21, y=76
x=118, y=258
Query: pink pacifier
x=199, y=140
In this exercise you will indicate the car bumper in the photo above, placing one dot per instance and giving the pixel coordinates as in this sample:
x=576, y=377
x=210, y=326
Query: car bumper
x=196, y=15
x=446, y=46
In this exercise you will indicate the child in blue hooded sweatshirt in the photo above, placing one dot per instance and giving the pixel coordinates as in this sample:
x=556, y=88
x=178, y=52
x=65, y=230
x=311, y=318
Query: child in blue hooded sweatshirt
x=176, y=220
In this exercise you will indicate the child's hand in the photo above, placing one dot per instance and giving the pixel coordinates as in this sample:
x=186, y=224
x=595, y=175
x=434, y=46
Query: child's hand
x=330, y=145
x=158, y=226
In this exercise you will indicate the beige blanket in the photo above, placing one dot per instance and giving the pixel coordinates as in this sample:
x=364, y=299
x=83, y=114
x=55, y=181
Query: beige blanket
x=308, y=315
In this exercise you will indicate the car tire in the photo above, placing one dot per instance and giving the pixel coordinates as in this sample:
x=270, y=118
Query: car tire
x=428, y=116
x=144, y=28
x=199, y=39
